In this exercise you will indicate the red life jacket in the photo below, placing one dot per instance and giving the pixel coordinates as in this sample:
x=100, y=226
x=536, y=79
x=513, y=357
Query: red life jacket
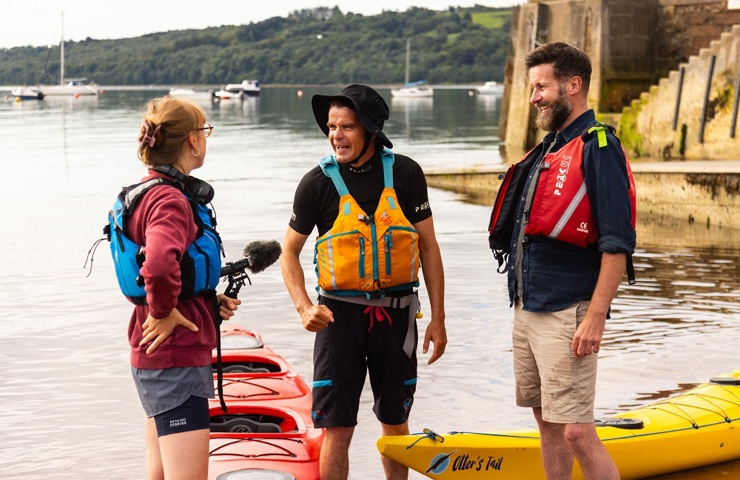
x=560, y=207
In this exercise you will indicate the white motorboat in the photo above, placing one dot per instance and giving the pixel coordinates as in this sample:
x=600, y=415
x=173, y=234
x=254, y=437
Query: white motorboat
x=74, y=87
x=27, y=93
x=237, y=91
x=491, y=88
x=411, y=89
x=225, y=95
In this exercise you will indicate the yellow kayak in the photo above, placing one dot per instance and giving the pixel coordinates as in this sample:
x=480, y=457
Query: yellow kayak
x=696, y=428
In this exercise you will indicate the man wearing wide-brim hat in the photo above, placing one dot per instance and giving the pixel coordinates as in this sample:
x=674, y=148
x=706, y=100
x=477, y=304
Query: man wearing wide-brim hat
x=371, y=209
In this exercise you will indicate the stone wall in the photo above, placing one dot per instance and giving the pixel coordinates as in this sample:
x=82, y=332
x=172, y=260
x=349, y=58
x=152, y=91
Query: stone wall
x=692, y=113
x=533, y=24
x=632, y=44
x=627, y=58
x=616, y=34
x=687, y=26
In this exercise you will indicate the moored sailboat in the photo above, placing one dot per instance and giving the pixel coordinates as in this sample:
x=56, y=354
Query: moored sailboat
x=70, y=87
x=411, y=89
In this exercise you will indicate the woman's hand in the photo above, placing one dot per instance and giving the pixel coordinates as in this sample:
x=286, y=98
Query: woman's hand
x=227, y=306
x=157, y=330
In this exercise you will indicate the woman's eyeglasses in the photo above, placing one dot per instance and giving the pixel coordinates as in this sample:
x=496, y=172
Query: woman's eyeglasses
x=207, y=130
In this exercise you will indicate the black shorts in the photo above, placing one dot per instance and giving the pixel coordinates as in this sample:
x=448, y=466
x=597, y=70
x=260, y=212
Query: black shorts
x=350, y=348
x=191, y=415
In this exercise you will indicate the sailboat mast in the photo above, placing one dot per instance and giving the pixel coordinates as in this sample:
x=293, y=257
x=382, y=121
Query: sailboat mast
x=61, y=45
x=408, y=59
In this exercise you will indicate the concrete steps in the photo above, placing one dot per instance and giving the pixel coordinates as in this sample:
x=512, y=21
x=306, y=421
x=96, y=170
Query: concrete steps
x=689, y=114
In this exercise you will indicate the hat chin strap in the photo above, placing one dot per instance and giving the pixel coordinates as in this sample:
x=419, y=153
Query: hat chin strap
x=368, y=139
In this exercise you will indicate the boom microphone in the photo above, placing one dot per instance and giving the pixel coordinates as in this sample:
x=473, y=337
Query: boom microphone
x=262, y=254
x=258, y=256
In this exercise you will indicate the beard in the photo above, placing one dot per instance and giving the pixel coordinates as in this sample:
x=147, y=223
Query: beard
x=557, y=113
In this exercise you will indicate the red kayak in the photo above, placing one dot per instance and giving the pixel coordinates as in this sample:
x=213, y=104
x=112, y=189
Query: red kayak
x=262, y=442
x=267, y=433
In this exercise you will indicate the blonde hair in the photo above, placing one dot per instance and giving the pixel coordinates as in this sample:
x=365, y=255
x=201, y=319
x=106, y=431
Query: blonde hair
x=167, y=124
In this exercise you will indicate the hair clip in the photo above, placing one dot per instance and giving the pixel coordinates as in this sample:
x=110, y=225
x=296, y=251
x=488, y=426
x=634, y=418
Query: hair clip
x=150, y=139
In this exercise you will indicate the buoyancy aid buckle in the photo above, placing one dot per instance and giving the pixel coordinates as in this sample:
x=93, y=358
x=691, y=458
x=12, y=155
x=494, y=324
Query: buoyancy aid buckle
x=503, y=260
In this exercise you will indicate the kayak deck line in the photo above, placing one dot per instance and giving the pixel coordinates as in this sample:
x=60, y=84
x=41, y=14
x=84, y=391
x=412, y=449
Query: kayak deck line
x=264, y=441
x=244, y=381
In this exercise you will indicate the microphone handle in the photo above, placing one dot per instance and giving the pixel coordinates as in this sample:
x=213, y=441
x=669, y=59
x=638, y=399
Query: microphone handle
x=232, y=291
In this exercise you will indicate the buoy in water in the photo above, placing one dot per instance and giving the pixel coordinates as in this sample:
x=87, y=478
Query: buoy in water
x=77, y=95
x=470, y=93
x=300, y=93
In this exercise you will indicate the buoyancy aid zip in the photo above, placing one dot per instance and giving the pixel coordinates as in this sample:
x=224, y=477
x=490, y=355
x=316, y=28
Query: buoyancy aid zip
x=362, y=257
x=374, y=235
x=388, y=244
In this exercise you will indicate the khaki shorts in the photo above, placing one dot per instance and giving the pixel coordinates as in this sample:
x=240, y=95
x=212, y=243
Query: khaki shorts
x=546, y=371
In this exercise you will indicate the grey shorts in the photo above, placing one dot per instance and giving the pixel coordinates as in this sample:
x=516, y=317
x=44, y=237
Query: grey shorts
x=546, y=371
x=168, y=388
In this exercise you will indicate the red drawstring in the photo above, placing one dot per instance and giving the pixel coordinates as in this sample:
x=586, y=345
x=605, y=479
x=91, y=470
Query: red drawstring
x=380, y=313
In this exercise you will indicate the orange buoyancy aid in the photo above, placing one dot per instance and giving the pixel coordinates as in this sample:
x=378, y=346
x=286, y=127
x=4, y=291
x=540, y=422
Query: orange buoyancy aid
x=367, y=254
x=560, y=208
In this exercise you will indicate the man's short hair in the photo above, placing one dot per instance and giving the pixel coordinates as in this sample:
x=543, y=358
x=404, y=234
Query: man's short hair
x=567, y=61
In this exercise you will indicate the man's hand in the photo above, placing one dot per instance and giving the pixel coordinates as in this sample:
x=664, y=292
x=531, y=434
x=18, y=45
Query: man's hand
x=315, y=317
x=437, y=334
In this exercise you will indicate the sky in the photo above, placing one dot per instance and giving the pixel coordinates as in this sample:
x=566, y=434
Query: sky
x=38, y=23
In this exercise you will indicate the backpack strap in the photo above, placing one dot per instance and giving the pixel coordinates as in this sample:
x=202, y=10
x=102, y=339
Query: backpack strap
x=130, y=196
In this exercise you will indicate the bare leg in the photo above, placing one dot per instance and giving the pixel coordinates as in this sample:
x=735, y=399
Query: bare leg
x=185, y=455
x=595, y=461
x=154, y=470
x=393, y=469
x=556, y=456
x=334, y=461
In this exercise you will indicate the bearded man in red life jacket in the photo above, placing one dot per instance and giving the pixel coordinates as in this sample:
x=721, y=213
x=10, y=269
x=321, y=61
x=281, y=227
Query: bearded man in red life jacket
x=569, y=236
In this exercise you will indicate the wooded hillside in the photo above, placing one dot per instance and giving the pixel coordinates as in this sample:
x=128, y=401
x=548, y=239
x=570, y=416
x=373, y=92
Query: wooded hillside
x=311, y=46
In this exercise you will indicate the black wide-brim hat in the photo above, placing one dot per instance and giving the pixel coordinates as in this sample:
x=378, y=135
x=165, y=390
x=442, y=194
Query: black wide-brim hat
x=369, y=106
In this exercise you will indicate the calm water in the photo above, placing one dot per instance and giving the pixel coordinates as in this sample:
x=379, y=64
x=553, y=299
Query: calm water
x=69, y=406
